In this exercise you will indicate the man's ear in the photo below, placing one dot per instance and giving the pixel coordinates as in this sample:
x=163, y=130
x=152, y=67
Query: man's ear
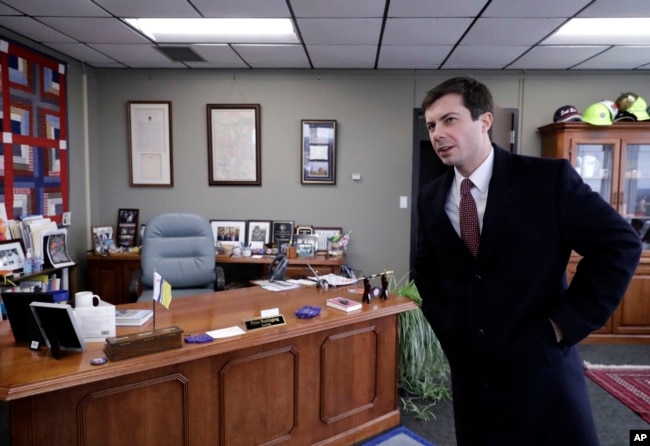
x=486, y=121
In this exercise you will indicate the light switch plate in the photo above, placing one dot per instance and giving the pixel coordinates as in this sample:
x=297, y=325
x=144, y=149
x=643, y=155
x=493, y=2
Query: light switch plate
x=403, y=202
x=66, y=219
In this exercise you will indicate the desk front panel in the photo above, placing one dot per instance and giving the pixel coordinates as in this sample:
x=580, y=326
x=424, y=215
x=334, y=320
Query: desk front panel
x=327, y=380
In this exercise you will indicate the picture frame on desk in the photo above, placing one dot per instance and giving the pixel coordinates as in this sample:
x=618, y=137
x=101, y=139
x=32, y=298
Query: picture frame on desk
x=318, y=149
x=234, y=145
x=150, y=144
x=259, y=234
x=103, y=239
x=56, y=246
x=228, y=232
x=12, y=255
x=282, y=234
x=303, y=241
x=127, y=228
x=323, y=234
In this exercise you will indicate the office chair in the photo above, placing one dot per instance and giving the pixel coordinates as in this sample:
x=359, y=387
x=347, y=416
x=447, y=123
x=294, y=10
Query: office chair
x=180, y=247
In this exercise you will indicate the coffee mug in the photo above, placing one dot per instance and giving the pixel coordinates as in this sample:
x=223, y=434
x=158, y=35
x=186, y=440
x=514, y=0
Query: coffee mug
x=246, y=252
x=86, y=299
x=590, y=165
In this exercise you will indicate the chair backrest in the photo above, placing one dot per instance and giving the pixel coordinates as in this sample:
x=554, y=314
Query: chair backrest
x=180, y=247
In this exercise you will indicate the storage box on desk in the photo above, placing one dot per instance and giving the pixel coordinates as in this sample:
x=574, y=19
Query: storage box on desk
x=60, y=296
x=144, y=343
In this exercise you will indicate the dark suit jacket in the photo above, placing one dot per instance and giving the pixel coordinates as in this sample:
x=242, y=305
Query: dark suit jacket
x=512, y=383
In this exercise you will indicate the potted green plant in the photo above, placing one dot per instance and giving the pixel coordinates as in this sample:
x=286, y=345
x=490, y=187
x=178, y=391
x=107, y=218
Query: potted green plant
x=423, y=371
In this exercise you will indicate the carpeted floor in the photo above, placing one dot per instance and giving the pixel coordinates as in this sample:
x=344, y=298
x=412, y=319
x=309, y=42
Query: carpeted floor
x=614, y=420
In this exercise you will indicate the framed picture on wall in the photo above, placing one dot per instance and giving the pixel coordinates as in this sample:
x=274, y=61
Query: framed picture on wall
x=234, y=144
x=318, y=148
x=150, y=143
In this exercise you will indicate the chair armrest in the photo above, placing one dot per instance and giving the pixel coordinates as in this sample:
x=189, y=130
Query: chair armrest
x=135, y=286
x=220, y=282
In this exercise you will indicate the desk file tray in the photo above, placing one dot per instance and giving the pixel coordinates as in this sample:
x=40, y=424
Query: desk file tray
x=138, y=344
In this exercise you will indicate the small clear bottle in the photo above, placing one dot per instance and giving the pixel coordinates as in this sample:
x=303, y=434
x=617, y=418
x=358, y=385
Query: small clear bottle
x=28, y=264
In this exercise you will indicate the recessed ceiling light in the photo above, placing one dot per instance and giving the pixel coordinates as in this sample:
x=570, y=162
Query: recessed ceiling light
x=216, y=30
x=603, y=31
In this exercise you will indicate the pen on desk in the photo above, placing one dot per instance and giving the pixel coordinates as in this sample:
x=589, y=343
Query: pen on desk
x=312, y=270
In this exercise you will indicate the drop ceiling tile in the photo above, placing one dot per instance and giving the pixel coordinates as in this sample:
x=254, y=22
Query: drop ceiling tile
x=618, y=8
x=137, y=56
x=34, y=29
x=421, y=57
x=7, y=10
x=539, y=9
x=343, y=56
x=340, y=31
x=242, y=8
x=556, y=57
x=424, y=31
x=82, y=52
x=273, y=56
x=510, y=31
x=148, y=8
x=59, y=8
x=483, y=56
x=621, y=57
x=216, y=56
x=95, y=30
x=436, y=8
x=338, y=8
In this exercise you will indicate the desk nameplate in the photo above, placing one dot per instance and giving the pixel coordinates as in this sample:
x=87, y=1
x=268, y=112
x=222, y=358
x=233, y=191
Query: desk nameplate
x=264, y=322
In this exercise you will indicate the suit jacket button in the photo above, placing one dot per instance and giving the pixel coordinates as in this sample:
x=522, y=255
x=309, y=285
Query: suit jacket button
x=480, y=332
x=477, y=277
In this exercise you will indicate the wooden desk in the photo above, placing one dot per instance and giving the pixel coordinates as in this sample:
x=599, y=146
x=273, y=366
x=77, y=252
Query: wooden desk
x=328, y=380
x=110, y=276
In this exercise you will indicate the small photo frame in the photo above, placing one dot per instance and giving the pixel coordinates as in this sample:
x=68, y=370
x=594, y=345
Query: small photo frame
x=305, y=230
x=127, y=228
x=59, y=327
x=282, y=234
x=229, y=232
x=150, y=143
x=103, y=239
x=56, y=246
x=305, y=250
x=324, y=233
x=259, y=234
x=318, y=148
x=12, y=255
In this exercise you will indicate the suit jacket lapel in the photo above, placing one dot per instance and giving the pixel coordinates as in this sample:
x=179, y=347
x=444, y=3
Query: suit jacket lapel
x=501, y=199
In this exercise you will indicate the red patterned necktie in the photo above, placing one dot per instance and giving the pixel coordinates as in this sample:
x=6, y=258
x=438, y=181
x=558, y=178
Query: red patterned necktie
x=469, y=229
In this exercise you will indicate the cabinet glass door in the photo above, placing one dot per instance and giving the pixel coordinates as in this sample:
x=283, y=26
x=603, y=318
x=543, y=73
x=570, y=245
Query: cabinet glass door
x=636, y=194
x=594, y=164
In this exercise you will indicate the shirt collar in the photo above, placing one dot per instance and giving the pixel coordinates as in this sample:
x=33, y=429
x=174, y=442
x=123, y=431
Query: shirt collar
x=481, y=176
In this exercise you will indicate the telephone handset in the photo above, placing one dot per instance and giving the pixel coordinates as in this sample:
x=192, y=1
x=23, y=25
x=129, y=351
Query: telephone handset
x=278, y=267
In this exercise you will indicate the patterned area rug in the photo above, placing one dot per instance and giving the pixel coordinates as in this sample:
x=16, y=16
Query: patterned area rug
x=629, y=383
x=400, y=436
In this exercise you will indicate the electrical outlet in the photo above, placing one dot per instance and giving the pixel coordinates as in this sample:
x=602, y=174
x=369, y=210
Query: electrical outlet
x=66, y=219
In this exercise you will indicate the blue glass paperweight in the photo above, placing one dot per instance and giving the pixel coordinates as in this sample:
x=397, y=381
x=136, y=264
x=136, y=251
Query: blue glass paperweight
x=307, y=312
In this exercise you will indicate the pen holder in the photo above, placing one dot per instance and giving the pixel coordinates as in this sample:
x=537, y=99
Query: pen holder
x=291, y=252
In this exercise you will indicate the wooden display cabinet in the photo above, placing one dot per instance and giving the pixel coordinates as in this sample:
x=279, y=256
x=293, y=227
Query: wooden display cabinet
x=615, y=162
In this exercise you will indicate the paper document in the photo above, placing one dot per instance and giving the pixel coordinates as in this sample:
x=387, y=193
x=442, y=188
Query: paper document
x=335, y=280
x=226, y=332
x=280, y=285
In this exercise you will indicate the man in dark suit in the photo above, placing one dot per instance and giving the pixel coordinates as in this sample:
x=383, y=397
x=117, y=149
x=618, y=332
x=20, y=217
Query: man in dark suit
x=505, y=317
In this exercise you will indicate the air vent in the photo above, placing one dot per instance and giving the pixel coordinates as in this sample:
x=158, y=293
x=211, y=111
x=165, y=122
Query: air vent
x=180, y=54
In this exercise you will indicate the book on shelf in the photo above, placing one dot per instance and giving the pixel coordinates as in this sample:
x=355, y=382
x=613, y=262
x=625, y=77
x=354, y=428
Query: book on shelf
x=132, y=318
x=341, y=303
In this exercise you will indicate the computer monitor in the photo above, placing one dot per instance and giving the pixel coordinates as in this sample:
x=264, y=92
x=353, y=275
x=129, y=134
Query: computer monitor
x=22, y=322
